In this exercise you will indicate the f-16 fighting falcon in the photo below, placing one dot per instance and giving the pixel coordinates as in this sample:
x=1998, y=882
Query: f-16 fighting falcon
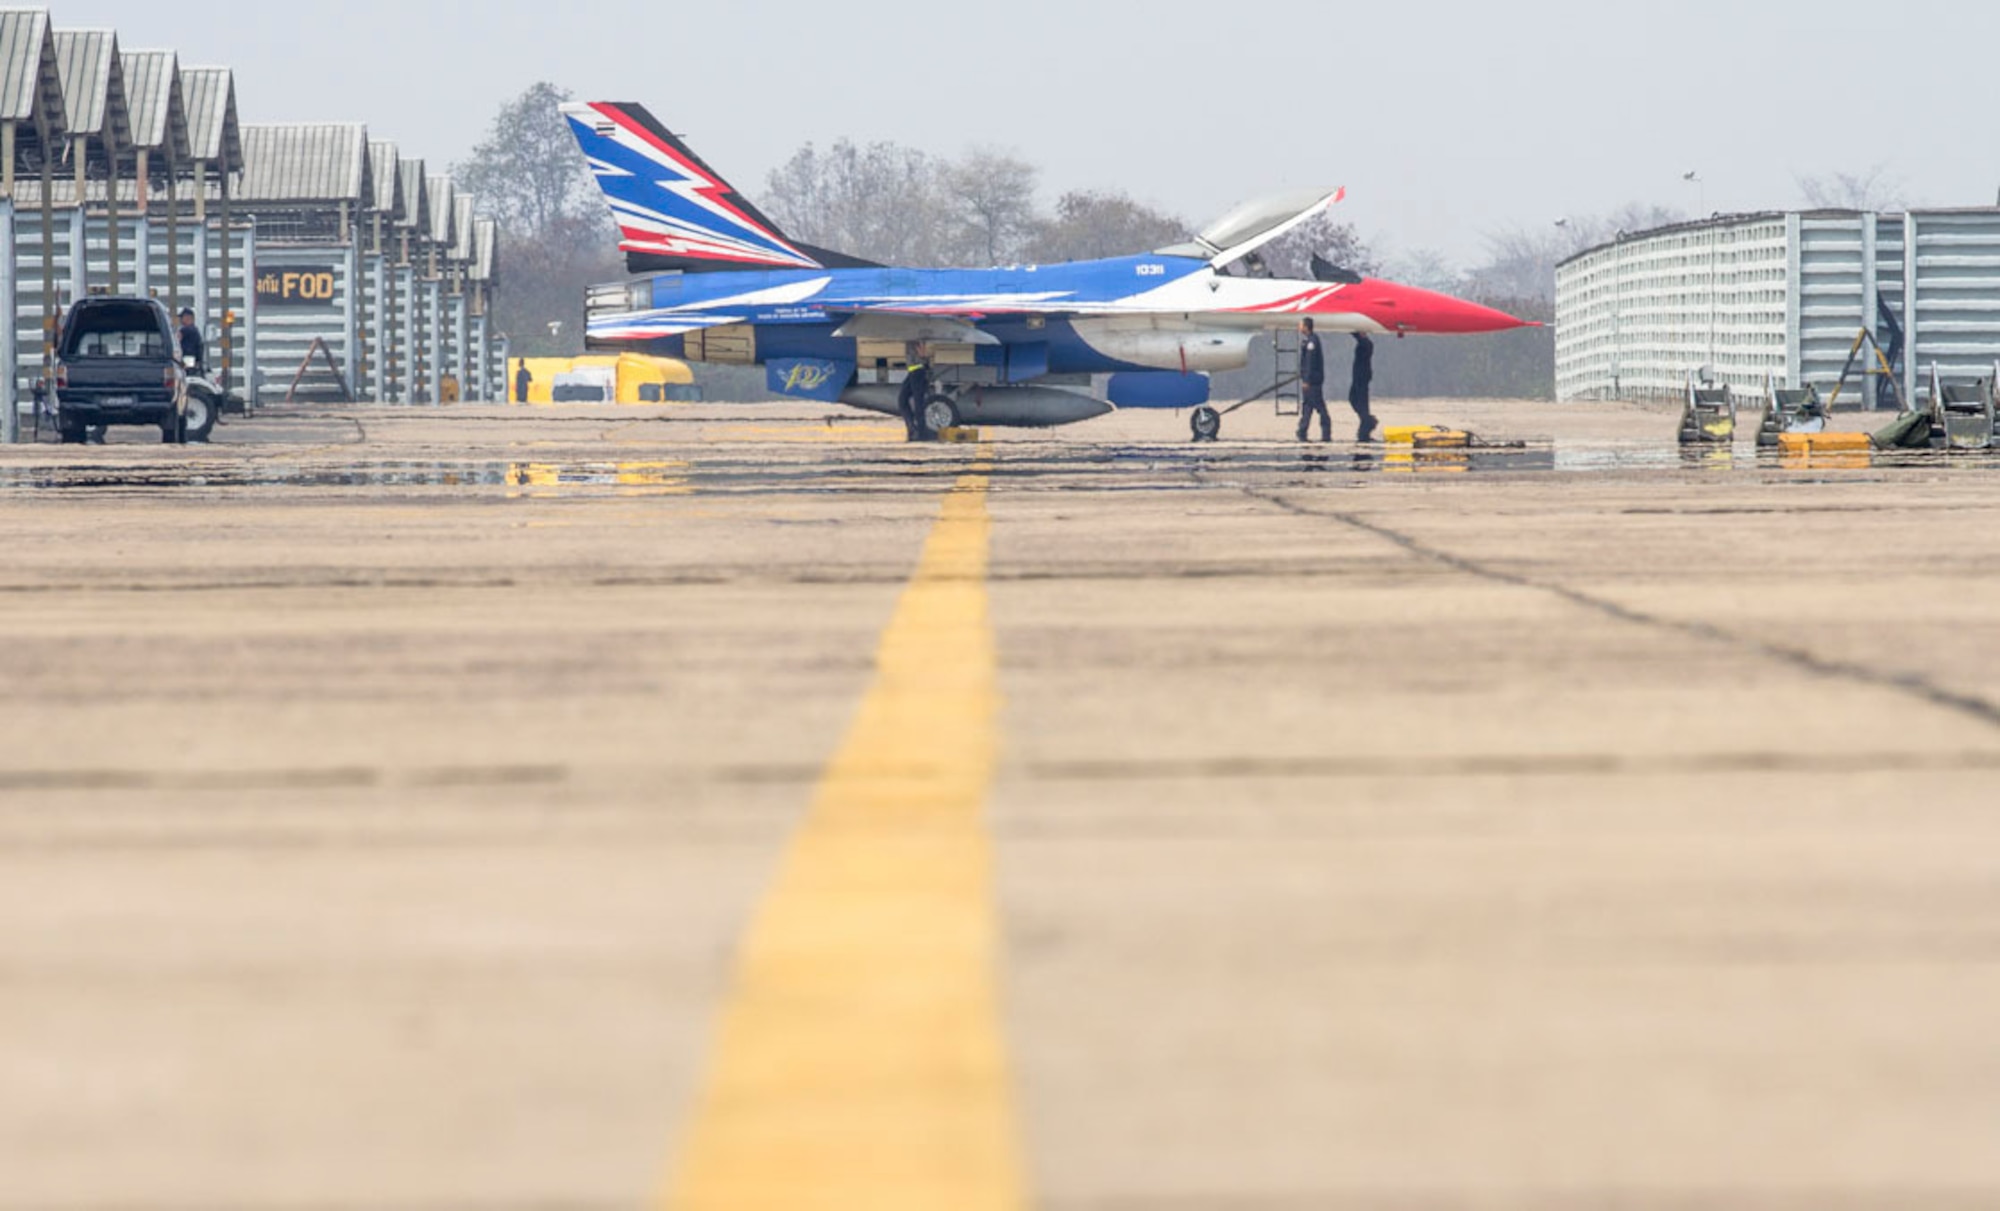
x=716, y=281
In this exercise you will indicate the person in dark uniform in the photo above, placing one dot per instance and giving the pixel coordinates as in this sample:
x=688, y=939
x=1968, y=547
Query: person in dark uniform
x=192, y=345
x=916, y=395
x=522, y=381
x=1312, y=384
x=1364, y=378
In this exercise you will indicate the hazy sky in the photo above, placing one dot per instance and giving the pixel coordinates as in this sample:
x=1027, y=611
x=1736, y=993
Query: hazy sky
x=1446, y=120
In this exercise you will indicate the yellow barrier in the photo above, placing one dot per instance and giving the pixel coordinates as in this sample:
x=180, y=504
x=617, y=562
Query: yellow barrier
x=1427, y=437
x=1825, y=443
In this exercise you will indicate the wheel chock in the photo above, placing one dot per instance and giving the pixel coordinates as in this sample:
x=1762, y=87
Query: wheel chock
x=962, y=435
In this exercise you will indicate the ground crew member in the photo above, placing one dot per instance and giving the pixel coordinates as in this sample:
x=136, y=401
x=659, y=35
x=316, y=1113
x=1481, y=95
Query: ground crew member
x=192, y=345
x=1364, y=378
x=522, y=381
x=1312, y=384
x=915, y=396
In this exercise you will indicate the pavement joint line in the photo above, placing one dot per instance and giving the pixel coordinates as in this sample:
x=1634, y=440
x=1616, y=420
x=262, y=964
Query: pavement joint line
x=1914, y=685
x=859, y=1061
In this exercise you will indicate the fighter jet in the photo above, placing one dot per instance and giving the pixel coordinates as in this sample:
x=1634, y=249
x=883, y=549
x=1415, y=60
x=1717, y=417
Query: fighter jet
x=717, y=281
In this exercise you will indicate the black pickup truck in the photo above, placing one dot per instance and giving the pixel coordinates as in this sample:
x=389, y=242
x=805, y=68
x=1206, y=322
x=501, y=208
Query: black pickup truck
x=118, y=363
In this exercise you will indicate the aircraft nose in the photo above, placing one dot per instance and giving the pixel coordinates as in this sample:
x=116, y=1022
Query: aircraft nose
x=1409, y=309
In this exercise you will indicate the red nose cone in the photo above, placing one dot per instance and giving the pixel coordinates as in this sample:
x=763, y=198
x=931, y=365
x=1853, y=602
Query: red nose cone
x=1408, y=309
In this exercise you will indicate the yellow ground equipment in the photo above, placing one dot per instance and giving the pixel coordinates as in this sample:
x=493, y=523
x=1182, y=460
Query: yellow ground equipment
x=1710, y=415
x=1427, y=437
x=629, y=378
x=1962, y=414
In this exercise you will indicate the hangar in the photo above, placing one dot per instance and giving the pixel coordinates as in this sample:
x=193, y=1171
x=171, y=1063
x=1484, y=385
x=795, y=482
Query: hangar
x=1783, y=294
x=127, y=171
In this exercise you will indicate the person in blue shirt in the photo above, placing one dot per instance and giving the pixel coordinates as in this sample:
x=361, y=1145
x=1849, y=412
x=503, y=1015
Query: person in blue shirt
x=1312, y=384
x=192, y=344
x=1364, y=378
x=916, y=396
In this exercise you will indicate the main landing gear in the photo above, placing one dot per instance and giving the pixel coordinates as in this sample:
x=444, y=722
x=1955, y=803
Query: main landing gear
x=1206, y=423
x=940, y=414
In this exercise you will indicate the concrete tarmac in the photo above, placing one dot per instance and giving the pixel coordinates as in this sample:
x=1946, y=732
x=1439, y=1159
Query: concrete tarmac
x=390, y=794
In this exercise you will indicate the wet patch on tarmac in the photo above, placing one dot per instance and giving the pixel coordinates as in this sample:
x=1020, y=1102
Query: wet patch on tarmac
x=1017, y=465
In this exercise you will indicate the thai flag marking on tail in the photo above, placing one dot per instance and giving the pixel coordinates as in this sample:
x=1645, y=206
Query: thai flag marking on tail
x=667, y=203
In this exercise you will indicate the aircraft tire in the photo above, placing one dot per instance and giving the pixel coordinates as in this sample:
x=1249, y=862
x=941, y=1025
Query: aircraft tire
x=1206, y=423
x=940, y=414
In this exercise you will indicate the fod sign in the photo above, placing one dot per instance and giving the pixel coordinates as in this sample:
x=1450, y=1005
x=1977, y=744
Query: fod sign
x=296, y=286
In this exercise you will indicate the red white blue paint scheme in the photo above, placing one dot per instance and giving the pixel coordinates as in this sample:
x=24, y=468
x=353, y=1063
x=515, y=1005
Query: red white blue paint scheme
x=1008, y=346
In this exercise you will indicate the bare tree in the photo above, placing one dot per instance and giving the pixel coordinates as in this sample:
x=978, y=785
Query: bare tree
x=881, y=201
x=994, y=196
x=1427, y=269
x=530, y=175
x=1872, y=189
x=901, y=206
x=1521, y=261
x=1088, y=225
x=1290, y=255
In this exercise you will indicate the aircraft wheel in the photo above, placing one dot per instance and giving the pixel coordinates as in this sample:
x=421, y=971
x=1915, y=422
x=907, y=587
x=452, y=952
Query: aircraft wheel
x=940, y=414
x=1207, y=424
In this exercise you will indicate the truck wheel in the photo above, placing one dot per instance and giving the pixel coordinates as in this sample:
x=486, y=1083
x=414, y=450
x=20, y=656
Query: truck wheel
x=71, y=431
x=199, y=419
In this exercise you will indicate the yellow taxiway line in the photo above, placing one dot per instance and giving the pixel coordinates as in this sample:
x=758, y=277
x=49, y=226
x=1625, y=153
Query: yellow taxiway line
x=860, y=1064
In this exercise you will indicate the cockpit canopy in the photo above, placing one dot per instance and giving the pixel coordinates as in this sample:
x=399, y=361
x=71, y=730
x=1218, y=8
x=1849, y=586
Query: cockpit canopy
x=1254, y=224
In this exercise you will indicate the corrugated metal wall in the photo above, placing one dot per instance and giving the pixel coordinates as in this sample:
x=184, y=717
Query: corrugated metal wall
x=401, y=369
x=1635, y=317
x=142, y=269
x=416, y=387
x=393, y=335
x=456, y=360
x=27, y=272
x=285, y=332
x=1843, y=264
x=481, y=350
x=1955, y=320
x=430, y=338
x=1786, y=295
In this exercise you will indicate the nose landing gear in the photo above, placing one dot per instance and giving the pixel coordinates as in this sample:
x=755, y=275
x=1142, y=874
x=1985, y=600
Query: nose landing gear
x=1206, y=423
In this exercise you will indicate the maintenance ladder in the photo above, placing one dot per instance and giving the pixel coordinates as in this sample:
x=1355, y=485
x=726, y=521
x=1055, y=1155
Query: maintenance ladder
x=1284, y=371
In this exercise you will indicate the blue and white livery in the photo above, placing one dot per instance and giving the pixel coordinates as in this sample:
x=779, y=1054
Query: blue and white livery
x=721, y=283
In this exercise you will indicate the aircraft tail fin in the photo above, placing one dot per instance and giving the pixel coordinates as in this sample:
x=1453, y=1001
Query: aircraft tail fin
x=673, y=211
